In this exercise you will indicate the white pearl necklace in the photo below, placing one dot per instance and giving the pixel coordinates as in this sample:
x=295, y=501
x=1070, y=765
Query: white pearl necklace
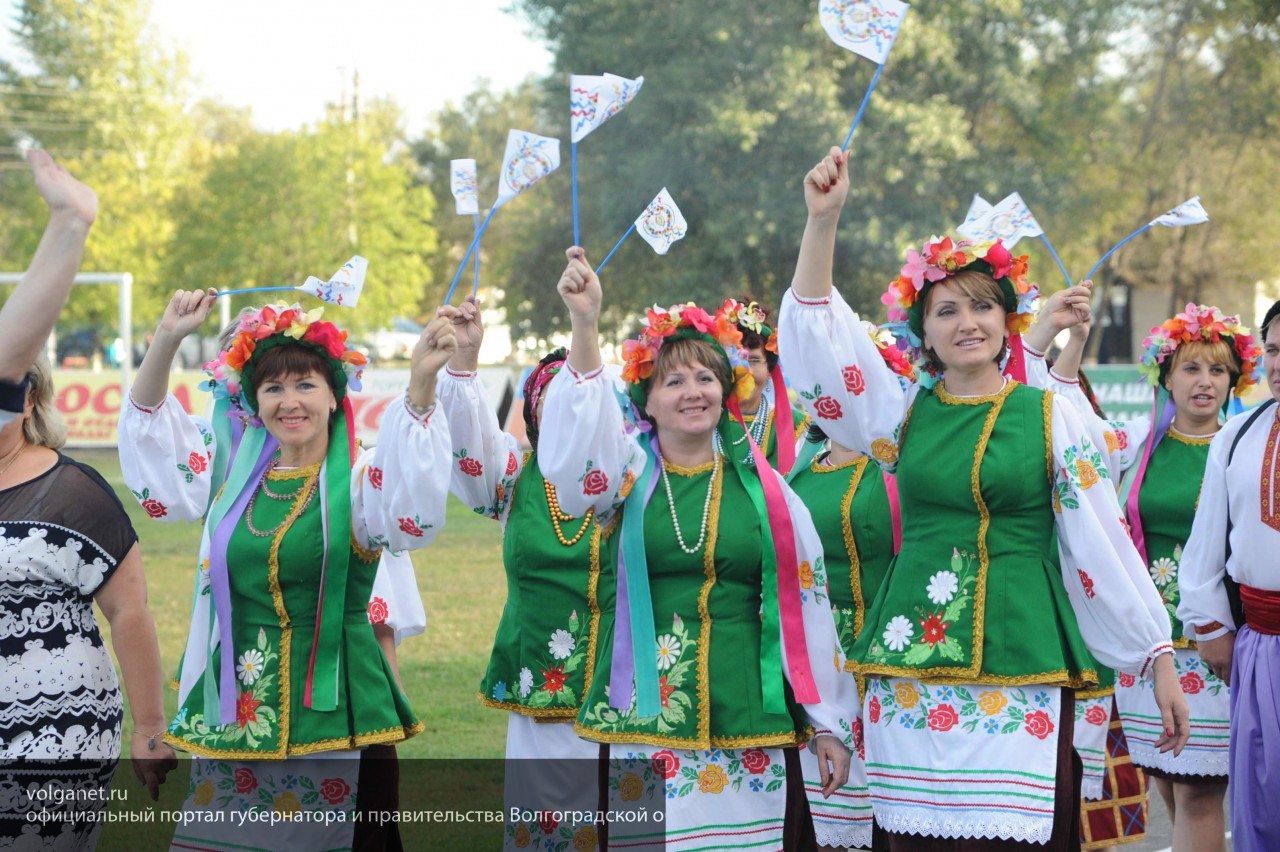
x=706, y=508
x=759, y=425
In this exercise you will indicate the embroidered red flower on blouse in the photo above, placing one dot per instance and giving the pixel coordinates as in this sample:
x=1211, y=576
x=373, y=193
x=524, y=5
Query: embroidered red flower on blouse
x=335, y=790
x=1087, y=582
x=827, y=408
x=595, y=482
x=873, y=710
x=1095, y=715
x=853, y=380
x=1038, y=724
x=375, y=478
x=470, y=466
x=1126, y=680
x=511, y=464
x=198, y=463
x=378, y=611
x=246, y=781
x=409, y=526
x=1192, y=683
x=154, y=508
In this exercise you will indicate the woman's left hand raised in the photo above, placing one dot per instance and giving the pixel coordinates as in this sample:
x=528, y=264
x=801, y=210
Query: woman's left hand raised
x=436, y=345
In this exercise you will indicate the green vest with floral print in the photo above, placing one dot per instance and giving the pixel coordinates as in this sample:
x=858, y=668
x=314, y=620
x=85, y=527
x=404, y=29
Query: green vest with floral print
x=706, y=608
x=1170, y=492
x=538, y=665
x=976, y=593
x=850, y=509
x=275, y=586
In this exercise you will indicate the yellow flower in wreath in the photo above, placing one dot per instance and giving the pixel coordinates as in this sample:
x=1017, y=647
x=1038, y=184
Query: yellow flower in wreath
x=522, y=836
x=806, y=576
x=906, y=695
x=204, y=793
x=586, y=839
x=1088, y=474
x=992, y=702
x=712, y=780
x=884, y=450
x=287, y=804
x=631, y=787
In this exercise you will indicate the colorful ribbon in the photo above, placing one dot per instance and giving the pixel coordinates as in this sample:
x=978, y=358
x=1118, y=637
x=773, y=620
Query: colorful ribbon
x=634, y=632
x=783, y=416
x=1161, y=419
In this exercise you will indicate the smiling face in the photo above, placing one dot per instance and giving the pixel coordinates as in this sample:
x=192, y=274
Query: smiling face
x=964, y=322
x=1199, y=380
x=687, y=391
x=295, y=400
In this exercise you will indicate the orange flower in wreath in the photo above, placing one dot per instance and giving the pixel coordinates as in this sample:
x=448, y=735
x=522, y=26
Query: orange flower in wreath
x=241, y=351
x=637, y=361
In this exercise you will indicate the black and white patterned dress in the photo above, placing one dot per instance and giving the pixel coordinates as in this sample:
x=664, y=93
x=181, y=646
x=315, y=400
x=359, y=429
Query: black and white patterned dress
x=62, y=536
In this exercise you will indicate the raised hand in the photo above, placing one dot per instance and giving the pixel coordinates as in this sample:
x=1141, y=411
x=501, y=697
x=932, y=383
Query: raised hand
x=579, y=287
x=63, y=194
x=469, y=329
x=826, y=186
x=436, y=345
x=186, y=312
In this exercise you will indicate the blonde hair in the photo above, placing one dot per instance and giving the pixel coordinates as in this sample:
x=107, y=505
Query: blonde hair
x=44, y=426
x=975, y=285
x=228, y=334
x=1210, y=351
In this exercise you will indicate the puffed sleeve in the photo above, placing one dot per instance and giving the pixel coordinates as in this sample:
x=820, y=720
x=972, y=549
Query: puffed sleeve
x=166, y=459
x=486, y=460
x=1120, y=441
x=399, y=488
x=584, y=449
x=842, y=379
x=1203, y=595
x=1121, y=616
x=396, y=601
x=838, y=707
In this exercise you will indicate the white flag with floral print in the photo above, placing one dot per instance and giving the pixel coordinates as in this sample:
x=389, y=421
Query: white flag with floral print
x=1188, y=212
x=1009, y=221
x=594, y=99
x=528, y=159
x=867, y=27
x=343, y=288
x=462, y=183
x=661, y=223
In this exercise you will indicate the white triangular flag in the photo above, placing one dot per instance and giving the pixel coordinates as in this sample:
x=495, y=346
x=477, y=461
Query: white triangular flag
x=1008, y=221
x=867, y=27
x=594, y=99
x=528, y=159
x=1187, y=213
x=661, y=223
x=343, y=288
x=462, y=183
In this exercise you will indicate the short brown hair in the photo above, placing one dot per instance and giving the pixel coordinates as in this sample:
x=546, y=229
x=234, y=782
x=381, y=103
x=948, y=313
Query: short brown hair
x=290, y=359
x=975, y=285
x=692, y=351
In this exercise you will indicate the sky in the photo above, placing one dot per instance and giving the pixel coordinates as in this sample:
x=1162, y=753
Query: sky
x=287, y=58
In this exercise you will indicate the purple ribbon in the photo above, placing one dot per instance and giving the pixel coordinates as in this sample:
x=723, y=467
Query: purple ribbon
x=623, y=671
x=220, y=580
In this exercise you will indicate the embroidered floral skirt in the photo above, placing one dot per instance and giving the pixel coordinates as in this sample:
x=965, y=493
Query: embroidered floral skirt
x=844, y=819
x=1120, y=815
x=1209, y=701
x=968, y=761
x=1093, y=719
x=551, y=774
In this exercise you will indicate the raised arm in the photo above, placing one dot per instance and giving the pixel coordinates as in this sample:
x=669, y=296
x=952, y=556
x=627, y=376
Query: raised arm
x=826, y=187
x=29, y=314
x=185, y=313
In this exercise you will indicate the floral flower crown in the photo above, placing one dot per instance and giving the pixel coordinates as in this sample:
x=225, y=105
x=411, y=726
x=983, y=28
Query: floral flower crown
x=751, y=316
x=939, y=259
x=1204, y=324
x=683, y=321
x=231, y=373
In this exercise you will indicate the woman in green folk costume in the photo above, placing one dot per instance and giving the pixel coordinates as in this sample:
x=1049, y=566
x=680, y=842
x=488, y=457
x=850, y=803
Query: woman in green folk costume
x=1194, y=361
x=699, y=693
x=978, y=635
x=283, y=685
x=768, y=408
x=537, y=669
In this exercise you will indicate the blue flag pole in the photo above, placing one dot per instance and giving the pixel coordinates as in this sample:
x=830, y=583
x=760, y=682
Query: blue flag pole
x=1115, y=248
x=615, y=248
x=475, y=288
x=1066, y=276
x=475, y=242
x=863, y=107
x=252, y=290
x=573, y=156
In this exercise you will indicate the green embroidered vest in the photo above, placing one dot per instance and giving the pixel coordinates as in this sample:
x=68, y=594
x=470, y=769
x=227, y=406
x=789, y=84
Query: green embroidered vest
x=538, y=664
x=275, y=583
x=706, y=608
x=976, y=593
x=735, y=440
x=850, y=508
x=1170, y=492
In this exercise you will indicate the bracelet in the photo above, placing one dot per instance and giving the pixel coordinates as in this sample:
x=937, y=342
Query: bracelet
x=151, y=738
x=1202, y=629
x=417, y=410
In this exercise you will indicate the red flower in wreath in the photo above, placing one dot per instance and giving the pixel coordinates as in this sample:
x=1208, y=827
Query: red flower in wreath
x=1095, y=715
x=943, y=718
x=335, y=790
x=378, y=611
x=511, y=464
x=595, y=482
x=873, y=710
x=1191, y=683
x=154, y=508
x=827, y=408
x=1038, y=724
x=755, y=761
x=375, y=478
x=853, y=380
x=246, y=709
x=554, y=678
x=665, y=763
x=246, y=781
x=409, y=526
x=1126, y=679
x=470, y=466
x=198, y=463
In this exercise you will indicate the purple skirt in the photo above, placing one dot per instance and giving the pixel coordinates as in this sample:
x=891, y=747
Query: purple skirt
x=1255, y=742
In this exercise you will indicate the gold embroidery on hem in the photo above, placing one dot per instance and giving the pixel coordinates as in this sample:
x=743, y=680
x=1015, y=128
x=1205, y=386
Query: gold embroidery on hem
x=851, y=547
x=1101, y=692
x=1048, y=436
x=400, y=733
x=704, y=614
x=691, y=743
x=535, y=712
x=593, y=604
x=950, y=677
